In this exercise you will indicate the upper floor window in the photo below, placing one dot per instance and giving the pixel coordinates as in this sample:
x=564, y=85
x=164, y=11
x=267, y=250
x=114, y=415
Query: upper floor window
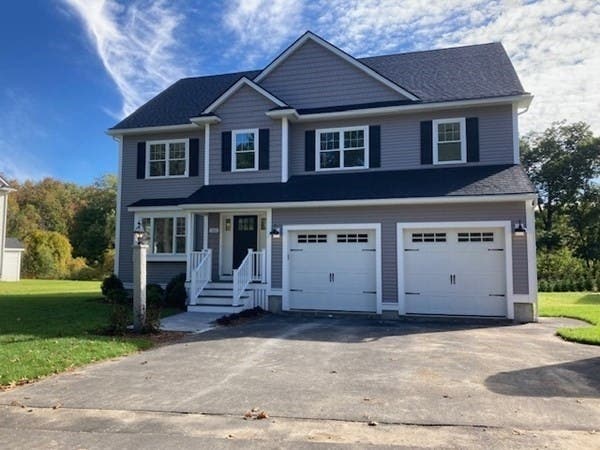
x=167, y=158
x=342, y=148
x=244, y=150
x=449, y=141
x=166, y=235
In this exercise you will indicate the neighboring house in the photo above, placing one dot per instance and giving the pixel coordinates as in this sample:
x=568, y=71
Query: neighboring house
x=326, y=182
x=10, y=249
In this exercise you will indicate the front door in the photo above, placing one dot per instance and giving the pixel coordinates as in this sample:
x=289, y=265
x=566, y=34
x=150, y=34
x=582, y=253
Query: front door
x=245, y=232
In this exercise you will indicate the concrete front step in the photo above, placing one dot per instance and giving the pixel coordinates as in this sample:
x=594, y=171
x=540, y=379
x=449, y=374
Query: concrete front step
x=225, y=309
x=215, y=300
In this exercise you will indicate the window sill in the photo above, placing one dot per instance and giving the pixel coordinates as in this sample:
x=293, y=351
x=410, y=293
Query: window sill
x=164, y=177
x=445, y=163
x=166, y=258
x=333, y=169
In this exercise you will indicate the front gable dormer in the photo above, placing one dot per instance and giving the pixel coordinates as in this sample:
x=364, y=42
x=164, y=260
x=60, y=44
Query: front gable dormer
x=313, y=73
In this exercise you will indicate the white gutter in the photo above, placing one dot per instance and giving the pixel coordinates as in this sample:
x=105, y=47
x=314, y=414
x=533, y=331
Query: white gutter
x=341, y=203
x=146, y=130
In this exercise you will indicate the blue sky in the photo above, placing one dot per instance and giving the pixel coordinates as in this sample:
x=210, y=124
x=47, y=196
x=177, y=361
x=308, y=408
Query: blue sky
x=82, y=65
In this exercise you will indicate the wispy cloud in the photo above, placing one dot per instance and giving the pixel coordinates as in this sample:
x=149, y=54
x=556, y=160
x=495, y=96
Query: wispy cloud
x=553, y=43
x=261, y=27
x=20, y=134
x=137, y=44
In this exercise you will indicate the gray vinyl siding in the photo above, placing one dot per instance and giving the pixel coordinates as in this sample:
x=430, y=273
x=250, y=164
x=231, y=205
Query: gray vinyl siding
x=401, y=136
x=245, y=109
x=389, y=216
x=162, y=272
x=133, y=190
x=313, y=76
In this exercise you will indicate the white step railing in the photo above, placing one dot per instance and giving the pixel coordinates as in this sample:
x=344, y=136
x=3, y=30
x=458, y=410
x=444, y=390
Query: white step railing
x=252, y=268
x=201, y=273
x=259, y=266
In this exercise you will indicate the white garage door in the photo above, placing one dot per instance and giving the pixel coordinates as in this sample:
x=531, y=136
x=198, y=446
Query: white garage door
x=332, y=270
x=455, y=271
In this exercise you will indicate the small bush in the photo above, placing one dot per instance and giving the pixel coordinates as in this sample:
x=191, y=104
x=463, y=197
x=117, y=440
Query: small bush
x=155, y=294
x=155, y=298
x=118, y=319
x=111, y=283
x=175, y=294
x=588, y=284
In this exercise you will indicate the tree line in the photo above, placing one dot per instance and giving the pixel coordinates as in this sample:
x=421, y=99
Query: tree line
x=563, y=163
x=68, y=229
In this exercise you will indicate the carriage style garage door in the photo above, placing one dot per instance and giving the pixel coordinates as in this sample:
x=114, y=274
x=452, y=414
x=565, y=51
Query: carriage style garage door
x=332, y=270
x=455, y=271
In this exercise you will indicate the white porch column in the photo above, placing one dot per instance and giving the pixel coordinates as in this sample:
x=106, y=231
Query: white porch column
x=206, y=153
x=205, y=232
x=284, y=149
x=190, y=232
x=139, y=286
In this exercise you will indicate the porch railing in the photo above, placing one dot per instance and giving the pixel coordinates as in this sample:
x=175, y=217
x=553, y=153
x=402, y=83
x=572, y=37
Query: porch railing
x=201, y=274
x=252, y=268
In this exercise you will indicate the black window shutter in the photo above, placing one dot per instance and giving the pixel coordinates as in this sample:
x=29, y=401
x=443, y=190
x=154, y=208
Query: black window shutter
x=263, y=149
x=309, y=150
x=226, y=151
x=375, y=146
x=426, y=142
x=472, y=139
x=194, y=157
x=141, y=160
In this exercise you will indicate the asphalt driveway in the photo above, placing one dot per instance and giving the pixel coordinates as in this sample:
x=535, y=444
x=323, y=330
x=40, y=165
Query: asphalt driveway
x=518, y=380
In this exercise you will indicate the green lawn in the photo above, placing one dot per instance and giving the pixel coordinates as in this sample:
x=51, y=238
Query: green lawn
x=48, y=327
x=577, y=305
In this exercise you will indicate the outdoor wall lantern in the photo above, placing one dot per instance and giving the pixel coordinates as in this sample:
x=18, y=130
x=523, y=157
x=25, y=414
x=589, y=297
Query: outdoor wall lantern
x=139, y=233
x=520, y=229
x=276, y=231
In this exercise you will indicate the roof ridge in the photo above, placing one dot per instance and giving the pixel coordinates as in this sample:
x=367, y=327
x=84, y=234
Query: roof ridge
x=220, y=74
x=431, y=50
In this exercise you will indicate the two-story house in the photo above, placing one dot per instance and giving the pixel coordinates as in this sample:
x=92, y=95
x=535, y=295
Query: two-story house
x=326, y=182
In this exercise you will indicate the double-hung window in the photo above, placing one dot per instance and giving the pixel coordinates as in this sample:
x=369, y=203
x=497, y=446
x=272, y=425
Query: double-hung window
x=166, y=235
x=167, y=158
x=244, y=150
x=449, y=141
x=342, y=148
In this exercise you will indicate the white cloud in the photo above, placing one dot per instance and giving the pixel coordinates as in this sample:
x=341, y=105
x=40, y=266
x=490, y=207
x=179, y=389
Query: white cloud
x=552, y=43
x=137, y=44
x=261, y=27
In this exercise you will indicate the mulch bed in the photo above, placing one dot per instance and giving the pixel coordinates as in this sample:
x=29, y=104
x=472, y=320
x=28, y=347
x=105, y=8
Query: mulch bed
x=242, y=317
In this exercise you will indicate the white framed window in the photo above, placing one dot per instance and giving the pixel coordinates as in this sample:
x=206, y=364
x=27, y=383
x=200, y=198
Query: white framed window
x=342, y=148
x=167, y=159
x=166, y=234
x=244, y=150
x=449, y=141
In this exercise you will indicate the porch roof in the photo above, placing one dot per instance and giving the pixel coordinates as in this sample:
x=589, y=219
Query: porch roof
x=371, y=185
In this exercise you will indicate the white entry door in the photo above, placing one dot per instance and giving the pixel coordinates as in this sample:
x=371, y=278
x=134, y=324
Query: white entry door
x=333, y=270
x=455, y=271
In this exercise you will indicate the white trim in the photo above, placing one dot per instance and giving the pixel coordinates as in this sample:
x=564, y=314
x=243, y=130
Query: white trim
x=463, y=140
x=344, y=203
x=167, y=143
x=206, y=153
x=281, y=113
x=311, y=36
x=515, y=129
x=341, y=149
x=159, y=129
x=504, y=224
x=284, y=149
x=205, y=120
x=341, y=226
x=269, y=246
x=190, y=234
x=234, y=133
x=119, y=206
x=242, y=82
x=531, y=255
x=362, y=113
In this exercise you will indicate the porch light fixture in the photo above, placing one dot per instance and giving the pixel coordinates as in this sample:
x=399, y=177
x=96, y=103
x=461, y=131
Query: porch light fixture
x=520, y=229
x=276, y=231
x=140, y=234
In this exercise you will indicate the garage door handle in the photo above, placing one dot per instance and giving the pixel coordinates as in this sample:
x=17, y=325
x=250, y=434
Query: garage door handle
x=412, y=293
x=495, y=249
x=295, y=290
x=369, y=292
x=497, y=295
x=368, y=249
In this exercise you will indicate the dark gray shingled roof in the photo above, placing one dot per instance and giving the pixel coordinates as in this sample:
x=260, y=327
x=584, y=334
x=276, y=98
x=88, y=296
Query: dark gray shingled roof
x=13, y=243
x=460, y=73
x=449, y=182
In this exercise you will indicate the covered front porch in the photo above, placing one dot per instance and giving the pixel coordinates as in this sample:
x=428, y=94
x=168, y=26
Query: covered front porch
x=227, y=260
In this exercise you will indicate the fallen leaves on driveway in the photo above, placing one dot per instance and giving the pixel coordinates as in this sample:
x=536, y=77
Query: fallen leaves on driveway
x=256, y=414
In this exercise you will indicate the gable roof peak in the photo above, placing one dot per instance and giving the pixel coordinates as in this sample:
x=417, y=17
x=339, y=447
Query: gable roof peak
x=243, y=81
x=309, y=35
